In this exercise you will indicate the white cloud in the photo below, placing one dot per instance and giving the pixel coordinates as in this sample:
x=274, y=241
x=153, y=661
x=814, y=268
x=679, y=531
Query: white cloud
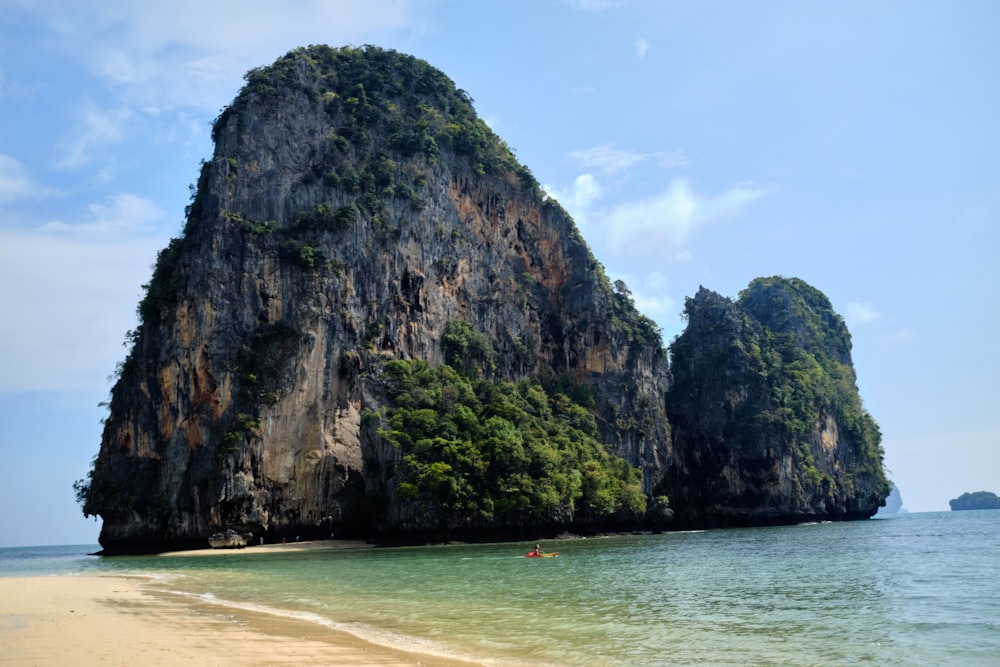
x=641, y=47
x=606, y=158
x=14, y=180
x=663, y=223
x=125, y=213
x=579, y=199
x=640, y=234
x=660, y=224
x=193, y=53
x=860, y=314
x=69, y=292
x=610, y=159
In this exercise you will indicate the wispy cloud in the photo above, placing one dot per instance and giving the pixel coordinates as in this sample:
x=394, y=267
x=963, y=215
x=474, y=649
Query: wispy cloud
x=96, y=127
x=641, y=47
x=658, y=225
x=68, y=290
x=662, y=224
x=166, y=55
x=860, y=314
x=125, y=213
x=12, y=90
x=581, y=196
x=608, y=158
x=14, y=180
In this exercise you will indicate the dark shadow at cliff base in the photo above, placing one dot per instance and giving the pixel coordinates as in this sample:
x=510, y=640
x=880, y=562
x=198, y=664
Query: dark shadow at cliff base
x=388, y=539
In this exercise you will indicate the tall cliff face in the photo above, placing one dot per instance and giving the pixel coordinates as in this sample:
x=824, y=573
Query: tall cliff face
x=767, y=421
x=354, y=208
x=375, y=323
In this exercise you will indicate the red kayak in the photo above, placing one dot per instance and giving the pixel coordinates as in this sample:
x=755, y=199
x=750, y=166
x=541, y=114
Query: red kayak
x=535, y=554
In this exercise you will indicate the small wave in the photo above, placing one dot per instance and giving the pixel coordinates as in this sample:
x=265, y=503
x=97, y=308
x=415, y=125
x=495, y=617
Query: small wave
x=160, y=578
x=368, y=633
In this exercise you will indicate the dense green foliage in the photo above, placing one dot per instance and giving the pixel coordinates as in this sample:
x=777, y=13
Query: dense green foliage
x=162, y=288
x=477, y=451
x=467, y=350
x=806, y=351
x=639, y=329
x=797, y=311
x=382, y=92
x=978, y=500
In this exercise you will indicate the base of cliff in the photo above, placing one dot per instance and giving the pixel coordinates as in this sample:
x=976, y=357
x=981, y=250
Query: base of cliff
x=485, y=535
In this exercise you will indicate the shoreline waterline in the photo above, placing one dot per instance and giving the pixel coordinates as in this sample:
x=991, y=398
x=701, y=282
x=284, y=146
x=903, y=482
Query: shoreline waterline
x=912, y=589
x=275, y=547
x=121, y=618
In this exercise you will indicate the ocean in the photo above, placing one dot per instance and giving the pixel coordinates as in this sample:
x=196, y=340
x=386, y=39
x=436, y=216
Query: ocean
x=910, y=589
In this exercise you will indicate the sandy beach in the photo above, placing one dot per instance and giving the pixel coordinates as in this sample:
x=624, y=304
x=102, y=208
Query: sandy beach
x=276, y=547
x=127, y=620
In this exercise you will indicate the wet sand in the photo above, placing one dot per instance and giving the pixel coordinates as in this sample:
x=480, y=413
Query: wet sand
x=317, y=545
x=128, y=620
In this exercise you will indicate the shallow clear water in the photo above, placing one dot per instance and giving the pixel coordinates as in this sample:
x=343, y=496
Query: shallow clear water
x=918, y=589
x=40, y=561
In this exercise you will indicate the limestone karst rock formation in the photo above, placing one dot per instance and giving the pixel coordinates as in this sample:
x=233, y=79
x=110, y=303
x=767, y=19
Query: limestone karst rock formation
x=356, y=212
x=765, y=412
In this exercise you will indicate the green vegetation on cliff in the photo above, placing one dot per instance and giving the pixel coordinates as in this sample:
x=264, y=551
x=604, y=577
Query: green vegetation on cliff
x=767, y=377
x=978, y=500
x=807, y=354
x=382, y=93
x=394, y=115
x=280, y=378
x=475, y=451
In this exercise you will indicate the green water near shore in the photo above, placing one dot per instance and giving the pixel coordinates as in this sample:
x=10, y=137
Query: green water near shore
x=915, y=589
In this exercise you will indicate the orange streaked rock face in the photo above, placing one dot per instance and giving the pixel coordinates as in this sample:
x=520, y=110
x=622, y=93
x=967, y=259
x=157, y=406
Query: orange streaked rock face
x=332, y=231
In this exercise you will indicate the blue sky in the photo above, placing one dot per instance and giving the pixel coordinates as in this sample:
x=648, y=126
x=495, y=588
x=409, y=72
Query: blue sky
x=851, y=144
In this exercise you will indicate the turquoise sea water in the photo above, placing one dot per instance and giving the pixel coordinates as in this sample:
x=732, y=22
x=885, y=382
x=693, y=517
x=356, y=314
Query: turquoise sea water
x=914, y=589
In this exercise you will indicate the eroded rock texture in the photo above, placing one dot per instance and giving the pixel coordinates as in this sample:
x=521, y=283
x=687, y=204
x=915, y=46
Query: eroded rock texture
x=767, y=421
x=353, y=208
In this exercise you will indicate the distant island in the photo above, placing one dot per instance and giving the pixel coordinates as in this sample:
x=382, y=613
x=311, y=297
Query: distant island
x=893, y=503
x=980, y=500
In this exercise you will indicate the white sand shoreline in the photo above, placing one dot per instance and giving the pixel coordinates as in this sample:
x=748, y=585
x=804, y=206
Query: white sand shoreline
x=277, y=547
x=127, y=619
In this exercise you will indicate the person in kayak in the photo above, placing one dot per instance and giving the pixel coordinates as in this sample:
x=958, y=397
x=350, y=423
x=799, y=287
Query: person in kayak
x=538, y=550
